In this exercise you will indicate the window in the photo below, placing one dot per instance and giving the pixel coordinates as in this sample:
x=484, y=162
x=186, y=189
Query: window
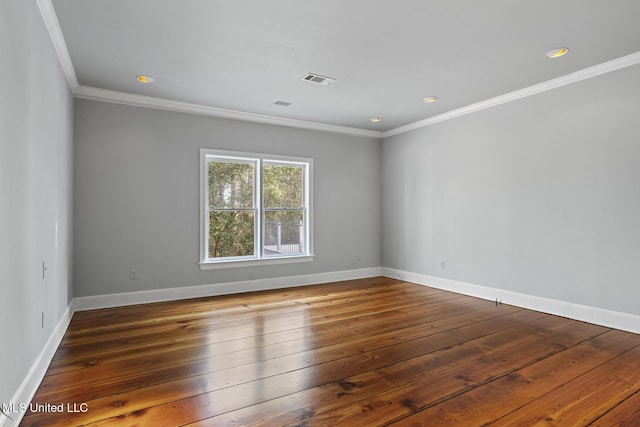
x=255, y=208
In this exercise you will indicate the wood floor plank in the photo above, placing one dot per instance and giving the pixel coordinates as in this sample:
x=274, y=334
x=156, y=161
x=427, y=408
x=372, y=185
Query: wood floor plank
x=236, y=417
x=227, y=377
x=282, y=376
x=414, y=369
x=185, y=315
x=273, y=412
x=239, y=303
x=367, y=352
x=153, y=314
x=412, y=311
x=488, y=403
x=176, y=363
x=378, y=353
x=626, y=414
x=228, y=329
x=583, y=400
x=437, y=386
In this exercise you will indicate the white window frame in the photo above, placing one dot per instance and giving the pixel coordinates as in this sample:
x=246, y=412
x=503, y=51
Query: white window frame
x=259, y=258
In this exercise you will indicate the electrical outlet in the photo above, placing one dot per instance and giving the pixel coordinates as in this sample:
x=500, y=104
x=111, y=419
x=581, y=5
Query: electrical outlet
x=442, y=265
x=358, y=257
x=133, y=275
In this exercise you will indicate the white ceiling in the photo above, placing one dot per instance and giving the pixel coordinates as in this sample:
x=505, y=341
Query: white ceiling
x=386, y=56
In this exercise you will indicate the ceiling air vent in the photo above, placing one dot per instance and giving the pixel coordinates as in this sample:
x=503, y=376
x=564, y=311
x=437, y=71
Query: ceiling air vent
x=316, y=78
x=282, y=103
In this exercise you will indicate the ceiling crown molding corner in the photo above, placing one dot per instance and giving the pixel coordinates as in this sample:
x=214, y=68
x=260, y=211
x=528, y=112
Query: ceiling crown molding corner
x=584, y=74
x=96, y=94
x=55, y=33
x=53, y=27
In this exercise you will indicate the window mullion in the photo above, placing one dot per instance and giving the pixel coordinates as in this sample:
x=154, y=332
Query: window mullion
x=305, y=213
x=213, y=208
x=258, y=233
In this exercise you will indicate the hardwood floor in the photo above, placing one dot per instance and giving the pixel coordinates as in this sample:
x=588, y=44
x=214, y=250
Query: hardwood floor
x=366, y=352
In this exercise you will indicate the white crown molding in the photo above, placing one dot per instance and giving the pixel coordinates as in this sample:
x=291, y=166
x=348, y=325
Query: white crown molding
x=599, y=316
x=53, y=27
x=116, y=97
x=587, y=73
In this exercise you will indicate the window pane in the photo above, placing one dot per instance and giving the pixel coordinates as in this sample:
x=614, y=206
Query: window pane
x=282, y=186
x=284, y=233
x=231, y=233
x=231, y=185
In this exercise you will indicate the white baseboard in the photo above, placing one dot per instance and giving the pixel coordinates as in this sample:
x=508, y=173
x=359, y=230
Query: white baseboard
x=186, y=292
x=29, y=386
x=599, y=316
x=34, y=377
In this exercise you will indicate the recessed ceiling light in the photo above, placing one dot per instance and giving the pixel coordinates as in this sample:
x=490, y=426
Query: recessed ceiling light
x=376, y=119
x=557, y=53
x=144, y=79
x=431, y=99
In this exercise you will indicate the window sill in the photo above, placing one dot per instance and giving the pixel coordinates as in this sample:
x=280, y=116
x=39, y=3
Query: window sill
x=214, y=265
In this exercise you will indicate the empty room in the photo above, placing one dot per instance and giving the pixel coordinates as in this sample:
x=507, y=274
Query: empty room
x=292, y=213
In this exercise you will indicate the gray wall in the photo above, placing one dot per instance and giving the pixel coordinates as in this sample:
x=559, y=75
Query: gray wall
x=35, y=190
x=540, y=196
x=137, y=197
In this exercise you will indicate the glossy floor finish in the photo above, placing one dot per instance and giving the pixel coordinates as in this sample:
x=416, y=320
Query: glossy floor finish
x=368, y=352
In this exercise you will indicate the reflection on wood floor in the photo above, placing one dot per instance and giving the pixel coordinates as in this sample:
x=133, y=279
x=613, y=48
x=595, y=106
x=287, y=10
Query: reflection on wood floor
x=367, y=352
